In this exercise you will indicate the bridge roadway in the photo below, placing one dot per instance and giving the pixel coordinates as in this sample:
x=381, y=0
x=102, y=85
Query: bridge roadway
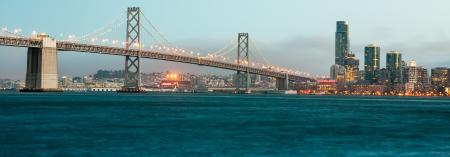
x=77, y=47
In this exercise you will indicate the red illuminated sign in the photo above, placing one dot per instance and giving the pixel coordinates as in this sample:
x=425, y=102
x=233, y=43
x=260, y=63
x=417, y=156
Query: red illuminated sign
x=326, y=81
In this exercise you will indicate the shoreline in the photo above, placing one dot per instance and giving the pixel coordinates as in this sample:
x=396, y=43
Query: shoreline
x=228, y=93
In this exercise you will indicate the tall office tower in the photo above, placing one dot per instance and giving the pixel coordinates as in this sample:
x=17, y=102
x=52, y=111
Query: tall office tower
x=342, y=45
x=337, y=72
x=372, y=63
x=423, y=79
x=394, y=65
x=411, y=73
x=422, y=75
x=440, y=77
x=384, y=76
x=351, y=67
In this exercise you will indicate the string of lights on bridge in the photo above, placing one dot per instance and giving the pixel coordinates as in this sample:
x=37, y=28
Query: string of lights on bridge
x=158, y=43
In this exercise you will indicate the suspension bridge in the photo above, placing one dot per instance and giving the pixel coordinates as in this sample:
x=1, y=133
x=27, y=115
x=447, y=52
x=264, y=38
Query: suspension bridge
x=42, y=55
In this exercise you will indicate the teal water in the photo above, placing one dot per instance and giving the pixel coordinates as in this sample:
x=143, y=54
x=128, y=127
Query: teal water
x=221, y=125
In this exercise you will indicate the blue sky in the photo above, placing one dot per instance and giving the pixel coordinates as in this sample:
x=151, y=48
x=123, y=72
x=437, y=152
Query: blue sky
x=298, y=34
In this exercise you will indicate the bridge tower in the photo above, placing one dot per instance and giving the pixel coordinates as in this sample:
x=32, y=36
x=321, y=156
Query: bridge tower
x=42, y=67
x=132, y=81
x=243, y=77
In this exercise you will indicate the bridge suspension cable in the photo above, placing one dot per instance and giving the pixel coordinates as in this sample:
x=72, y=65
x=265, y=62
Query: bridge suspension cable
x=159, y=38
x=269, y=65
x=161, y=44
x=16, y=32
x=103, y=30
x=227, y=48
x=155, y=29
x=257, y=52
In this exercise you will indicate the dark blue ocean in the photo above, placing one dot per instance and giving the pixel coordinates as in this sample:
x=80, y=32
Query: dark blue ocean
x=208, y=125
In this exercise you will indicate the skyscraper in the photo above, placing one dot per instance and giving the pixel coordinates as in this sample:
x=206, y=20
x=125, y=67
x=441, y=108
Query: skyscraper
x=411, y=73
x=384, y=76
x=439, y=77
x=372, y=63
x=343, y=56
x=416, y=75
x=337, y=72
x=351, y=67
x=394, y=66
x=342, y=45
x=423, y=79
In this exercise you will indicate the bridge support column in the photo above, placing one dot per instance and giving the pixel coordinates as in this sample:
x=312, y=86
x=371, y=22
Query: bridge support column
x=283, y=83
x=42, y=68
x=243, y=77
x=132, y=82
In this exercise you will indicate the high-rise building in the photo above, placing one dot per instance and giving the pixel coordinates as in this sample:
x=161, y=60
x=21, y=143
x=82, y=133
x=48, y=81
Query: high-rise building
x=439, y=77
x=423, y=79
x=416, y=76
x=384, y=76
x=372, y=63
x=411, y=73
x=394, y=66
x=422, y=75
x=343, y=56
x=342, y=45
x=337, y=72
x=351, y=67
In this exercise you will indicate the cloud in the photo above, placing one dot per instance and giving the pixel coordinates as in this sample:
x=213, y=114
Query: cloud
x=427, y=53
x=310, y=54
x=307, y=53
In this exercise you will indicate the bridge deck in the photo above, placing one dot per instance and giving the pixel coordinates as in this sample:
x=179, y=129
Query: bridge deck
x=77, y=47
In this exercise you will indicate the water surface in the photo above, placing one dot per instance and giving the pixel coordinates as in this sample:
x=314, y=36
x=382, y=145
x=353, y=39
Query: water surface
x=71, y=124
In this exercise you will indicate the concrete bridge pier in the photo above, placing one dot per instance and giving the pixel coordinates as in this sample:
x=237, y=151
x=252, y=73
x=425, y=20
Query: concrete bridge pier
x=283, y=83
x=242, y=82
x=42, y=67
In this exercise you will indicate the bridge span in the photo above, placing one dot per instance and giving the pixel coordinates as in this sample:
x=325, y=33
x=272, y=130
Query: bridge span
x=76, y=47
x=42, y=59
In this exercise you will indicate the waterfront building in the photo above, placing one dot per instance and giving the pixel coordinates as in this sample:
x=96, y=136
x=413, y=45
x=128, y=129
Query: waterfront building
x=351, y=67
x=440, y=78
x=360, y=76
x=411, y=73
x=394, y=65
x=409, y=88
x=365, y=88
x=306, y=88
x=337, y=72
x=342, y=43
x=423, y=80
x=326, y=86
x=88, y=79
x=66, y=81
x=372, y=63
x=384, y=76
x=416, y=76
x=343, y=55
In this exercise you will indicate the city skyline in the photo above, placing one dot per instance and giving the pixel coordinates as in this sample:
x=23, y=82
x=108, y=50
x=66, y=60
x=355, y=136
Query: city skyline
x=224, y=78
x=308, y=46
